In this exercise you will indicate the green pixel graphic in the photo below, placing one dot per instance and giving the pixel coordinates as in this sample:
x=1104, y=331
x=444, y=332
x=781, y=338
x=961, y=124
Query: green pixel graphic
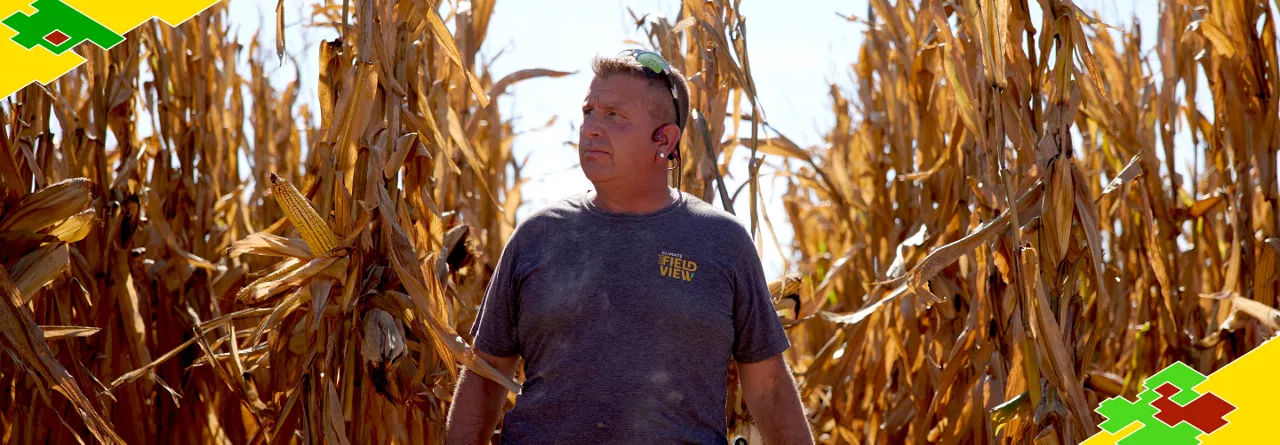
x=58, y=27
x=1120, y=412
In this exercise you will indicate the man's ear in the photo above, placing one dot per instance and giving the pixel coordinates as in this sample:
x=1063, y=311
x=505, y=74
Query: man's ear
x=667, y=136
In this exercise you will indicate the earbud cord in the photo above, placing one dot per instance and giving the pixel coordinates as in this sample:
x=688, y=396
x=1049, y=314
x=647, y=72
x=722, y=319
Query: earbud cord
x=679, y=168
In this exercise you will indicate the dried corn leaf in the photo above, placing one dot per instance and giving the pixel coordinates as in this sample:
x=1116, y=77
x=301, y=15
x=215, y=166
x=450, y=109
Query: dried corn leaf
x=1205, y=205
x=28, y=344
x=39, y=268
x=61, y=332
x=1268, y=316
x=262, y=243
x=51, y=204
x=501, y=85
x=446, y=340
x=445, y=40
x=280, y=30
x=1048, y=333
x=1130, y=171
x=334, y=426
x=289, y=276
x=1058, y=208
x=76, y=227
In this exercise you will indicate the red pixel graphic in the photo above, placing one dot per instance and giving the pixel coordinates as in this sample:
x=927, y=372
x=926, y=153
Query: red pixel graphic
x=1205, y=413
x=56, y=37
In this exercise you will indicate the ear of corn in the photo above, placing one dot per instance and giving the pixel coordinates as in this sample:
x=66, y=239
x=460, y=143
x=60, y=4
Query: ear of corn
x=315, y=231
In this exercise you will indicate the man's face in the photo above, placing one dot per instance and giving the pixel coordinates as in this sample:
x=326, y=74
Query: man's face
x=616, y=138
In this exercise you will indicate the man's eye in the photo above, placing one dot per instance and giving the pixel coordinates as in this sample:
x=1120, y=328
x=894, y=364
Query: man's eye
x=612, y=114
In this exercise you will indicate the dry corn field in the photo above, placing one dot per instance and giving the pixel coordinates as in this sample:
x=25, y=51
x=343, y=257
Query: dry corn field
x=993, y=238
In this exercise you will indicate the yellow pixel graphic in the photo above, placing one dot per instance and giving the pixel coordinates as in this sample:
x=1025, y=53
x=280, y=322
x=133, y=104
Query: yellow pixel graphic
x=1242, y=382
x=38, y=64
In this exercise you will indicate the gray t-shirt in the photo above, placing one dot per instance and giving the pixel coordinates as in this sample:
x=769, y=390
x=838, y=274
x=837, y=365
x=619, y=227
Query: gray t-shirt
x=626, y=323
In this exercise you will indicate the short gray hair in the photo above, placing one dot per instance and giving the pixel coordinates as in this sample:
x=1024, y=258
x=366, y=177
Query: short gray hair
x=628, y=66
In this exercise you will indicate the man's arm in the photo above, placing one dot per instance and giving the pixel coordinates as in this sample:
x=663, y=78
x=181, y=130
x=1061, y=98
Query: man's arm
x=774, y=401
x=477, y=402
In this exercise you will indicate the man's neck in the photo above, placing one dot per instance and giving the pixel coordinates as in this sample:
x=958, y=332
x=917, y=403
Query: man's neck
x=634, y=201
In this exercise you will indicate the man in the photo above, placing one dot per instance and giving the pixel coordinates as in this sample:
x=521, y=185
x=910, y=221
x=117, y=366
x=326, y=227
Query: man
x=627, y=304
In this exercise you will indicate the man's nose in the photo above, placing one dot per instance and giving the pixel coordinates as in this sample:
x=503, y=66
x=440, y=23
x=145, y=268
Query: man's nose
x=590, y=127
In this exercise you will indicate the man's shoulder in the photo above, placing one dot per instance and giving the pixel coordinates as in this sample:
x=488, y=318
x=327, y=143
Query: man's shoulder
x=715, y=219
x=556, y=212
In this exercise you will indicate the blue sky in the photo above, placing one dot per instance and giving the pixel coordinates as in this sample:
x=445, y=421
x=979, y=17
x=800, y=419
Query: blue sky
x=797, y=49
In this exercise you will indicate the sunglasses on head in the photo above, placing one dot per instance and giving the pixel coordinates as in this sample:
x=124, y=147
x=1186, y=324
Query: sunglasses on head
x=654, y=62
x=658, y=65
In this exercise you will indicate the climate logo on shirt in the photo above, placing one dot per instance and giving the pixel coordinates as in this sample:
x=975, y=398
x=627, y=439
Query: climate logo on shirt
x=673, y=265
